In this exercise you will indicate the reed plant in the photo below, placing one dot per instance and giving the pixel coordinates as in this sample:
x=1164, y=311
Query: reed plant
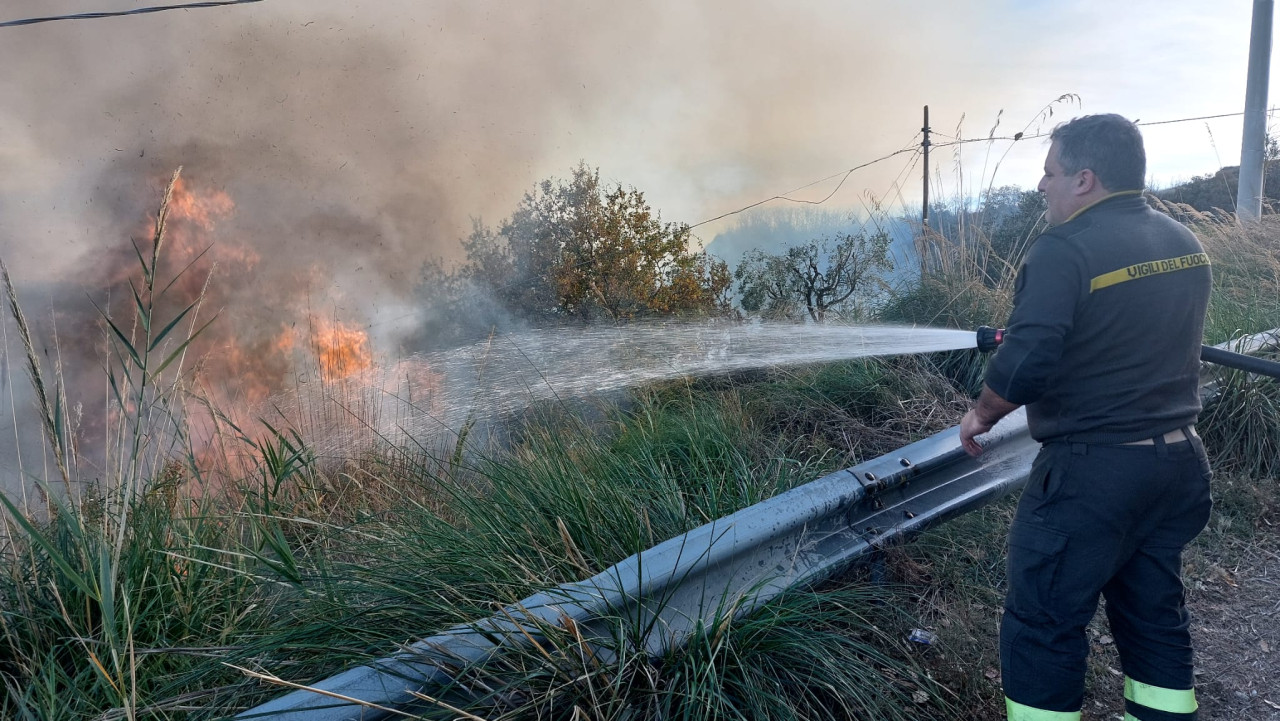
x=1246, y=269
x=1241, y=420
x=94, y=600
x=959, y=289
x=147, y=594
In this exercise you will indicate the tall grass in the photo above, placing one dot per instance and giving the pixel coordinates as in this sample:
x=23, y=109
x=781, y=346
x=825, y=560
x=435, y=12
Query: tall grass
x=281, y=584
x=142, y=596
x=89, y=592
x=825, y=654
x=1241, y=422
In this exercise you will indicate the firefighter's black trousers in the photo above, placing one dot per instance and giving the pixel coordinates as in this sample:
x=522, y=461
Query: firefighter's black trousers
x=1109, y=520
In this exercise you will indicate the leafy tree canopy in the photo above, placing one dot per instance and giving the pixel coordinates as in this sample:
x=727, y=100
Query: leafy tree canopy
x=582, y=250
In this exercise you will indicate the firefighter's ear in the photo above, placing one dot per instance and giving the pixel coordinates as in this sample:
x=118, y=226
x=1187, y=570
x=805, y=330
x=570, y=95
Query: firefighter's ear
x=1086, y=182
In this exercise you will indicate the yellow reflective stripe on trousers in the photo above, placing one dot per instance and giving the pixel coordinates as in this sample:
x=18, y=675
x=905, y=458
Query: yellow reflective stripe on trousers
x=1171, y=700
x=1018, y=712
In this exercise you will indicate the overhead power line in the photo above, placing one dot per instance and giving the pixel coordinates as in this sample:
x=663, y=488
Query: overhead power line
x=783, y=196
x=1020, y=136
x=119, y=13
x=844, y=175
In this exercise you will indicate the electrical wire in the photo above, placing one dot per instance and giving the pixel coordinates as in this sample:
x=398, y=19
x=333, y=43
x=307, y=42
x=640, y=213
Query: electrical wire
x=912, y=162
x=1270, y=111
x=1021, y=136
x=842, y=175
x=896, y=185
x=136, y=11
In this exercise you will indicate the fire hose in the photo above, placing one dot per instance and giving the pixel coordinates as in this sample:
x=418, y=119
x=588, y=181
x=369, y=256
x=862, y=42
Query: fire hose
x=990, y=338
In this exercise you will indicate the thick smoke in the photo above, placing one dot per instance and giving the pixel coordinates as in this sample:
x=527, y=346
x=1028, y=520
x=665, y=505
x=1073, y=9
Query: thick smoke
x=357, y=140
x=405, y=118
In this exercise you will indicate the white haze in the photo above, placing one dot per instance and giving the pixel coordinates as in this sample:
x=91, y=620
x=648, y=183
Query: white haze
x=358, y=139
x=414, y=117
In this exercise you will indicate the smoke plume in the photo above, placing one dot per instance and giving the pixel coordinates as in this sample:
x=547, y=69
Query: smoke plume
x=341, y=145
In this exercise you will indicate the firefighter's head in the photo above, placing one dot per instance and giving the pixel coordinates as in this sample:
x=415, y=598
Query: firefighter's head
x=1090, y=158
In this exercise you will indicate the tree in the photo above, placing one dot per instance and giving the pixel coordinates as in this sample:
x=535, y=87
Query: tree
x=818, y=276
x=778, y=227
x=577, y=249
x=1015, y=227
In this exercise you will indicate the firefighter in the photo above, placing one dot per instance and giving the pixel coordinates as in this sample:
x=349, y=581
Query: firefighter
x=1103, y=348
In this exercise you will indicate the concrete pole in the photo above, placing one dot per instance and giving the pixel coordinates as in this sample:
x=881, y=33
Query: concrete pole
x=1253, y=147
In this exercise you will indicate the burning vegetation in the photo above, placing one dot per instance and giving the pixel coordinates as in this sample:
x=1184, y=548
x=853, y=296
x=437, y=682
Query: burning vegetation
x=269, y=333
x=341, y=350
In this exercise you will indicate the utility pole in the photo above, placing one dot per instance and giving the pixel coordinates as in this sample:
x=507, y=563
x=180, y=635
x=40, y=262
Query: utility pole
x=1253, y=147
x=925, y=144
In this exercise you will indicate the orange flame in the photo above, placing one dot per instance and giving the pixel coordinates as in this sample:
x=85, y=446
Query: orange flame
x=192, y=215
x=257, y=348
x=202, y=209
x=342, y=350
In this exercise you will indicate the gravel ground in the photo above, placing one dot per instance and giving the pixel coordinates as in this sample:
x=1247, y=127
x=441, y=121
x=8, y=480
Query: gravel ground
x=1233, y=592
x=1236, y=630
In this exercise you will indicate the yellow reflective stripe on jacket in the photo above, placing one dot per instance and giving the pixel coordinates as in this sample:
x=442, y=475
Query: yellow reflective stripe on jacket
x=1170, y=700
x=1153, y=267
x=1019, y=712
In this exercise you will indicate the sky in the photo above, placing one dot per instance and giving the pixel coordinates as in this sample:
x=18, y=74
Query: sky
x=363, y=138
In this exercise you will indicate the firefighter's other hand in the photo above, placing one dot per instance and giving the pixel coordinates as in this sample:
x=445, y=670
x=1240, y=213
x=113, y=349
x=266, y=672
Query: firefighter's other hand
x=970, y=427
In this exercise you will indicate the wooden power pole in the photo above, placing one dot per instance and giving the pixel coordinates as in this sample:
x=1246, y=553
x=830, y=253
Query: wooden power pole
x=925, y=144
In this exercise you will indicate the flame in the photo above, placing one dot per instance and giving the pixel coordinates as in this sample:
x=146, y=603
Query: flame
x=192, y=216
x=264, y=341
x=258, y=367
x=341, y=349
x=202, y=209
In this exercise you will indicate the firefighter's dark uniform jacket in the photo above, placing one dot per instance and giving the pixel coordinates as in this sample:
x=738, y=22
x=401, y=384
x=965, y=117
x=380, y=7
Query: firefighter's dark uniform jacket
x=1104, y=342
x=1103, y=348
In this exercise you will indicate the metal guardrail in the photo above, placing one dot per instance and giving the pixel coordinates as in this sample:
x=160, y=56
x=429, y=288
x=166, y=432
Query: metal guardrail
x=740, y=561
